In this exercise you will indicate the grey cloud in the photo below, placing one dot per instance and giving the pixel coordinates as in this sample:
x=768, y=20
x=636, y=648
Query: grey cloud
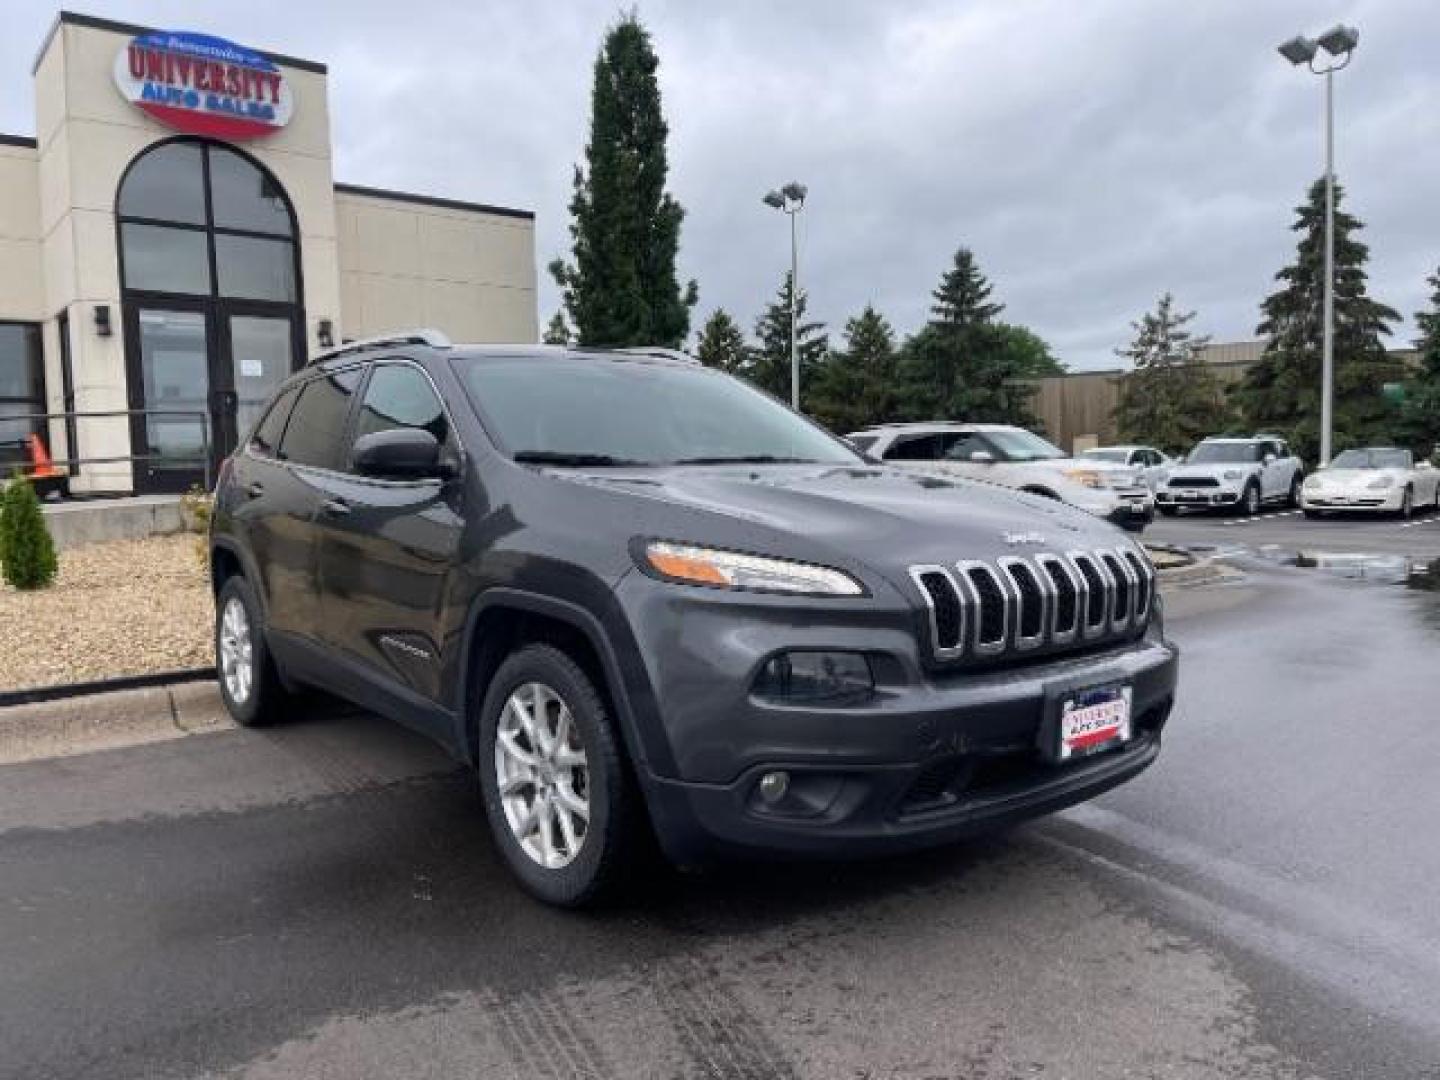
x=1093, y=155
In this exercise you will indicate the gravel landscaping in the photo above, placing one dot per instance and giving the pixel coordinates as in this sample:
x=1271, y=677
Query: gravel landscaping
x=124, y=607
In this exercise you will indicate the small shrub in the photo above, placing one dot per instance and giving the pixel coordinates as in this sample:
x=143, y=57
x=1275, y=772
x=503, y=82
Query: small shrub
x=27, y=552
x=197, y=506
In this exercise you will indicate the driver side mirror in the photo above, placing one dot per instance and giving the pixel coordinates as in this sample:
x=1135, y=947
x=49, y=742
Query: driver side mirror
x=401, y=454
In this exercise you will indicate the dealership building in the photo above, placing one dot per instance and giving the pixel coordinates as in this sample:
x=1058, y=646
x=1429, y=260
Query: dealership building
x=173, y=244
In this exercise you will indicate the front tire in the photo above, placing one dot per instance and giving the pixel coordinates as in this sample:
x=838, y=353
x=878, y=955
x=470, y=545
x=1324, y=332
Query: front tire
x=1250, y=501
x=249, y=684
x=558, y=795
x=1294, y=500
x=1407, y=504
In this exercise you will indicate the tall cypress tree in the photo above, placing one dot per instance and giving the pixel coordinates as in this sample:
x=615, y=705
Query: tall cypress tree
x=1421, y=416
x=621, y=288
x=722, y=344
x=1169, y=398
x=1281, y=392
x=857, y=386
x=769, y=366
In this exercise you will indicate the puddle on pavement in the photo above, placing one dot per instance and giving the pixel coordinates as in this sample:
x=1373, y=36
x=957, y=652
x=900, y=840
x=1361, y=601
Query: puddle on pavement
x=1385, y=569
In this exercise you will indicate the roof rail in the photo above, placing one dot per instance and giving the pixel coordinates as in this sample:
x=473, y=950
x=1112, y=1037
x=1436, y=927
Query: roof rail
x=656, y=351
x=423, y=336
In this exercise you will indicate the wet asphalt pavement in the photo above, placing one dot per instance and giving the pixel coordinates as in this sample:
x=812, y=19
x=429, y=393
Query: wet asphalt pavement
x=321, y=900
x=1417, y=537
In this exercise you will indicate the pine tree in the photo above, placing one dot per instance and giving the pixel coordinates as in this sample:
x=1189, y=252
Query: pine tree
x=964, y=364
x=859, y=385
x=1420, y=422
x=769, y=366
x=1281, y=392
x=622, y=287
x=722, y=344
x=1169, y=398
x=27, y=553
x=558, y=331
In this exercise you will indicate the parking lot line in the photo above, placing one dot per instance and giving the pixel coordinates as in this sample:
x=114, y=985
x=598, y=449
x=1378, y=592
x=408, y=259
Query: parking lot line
x=1261, y=517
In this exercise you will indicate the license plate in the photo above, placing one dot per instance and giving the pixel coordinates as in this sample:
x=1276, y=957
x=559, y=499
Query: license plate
x=1094, y=720
x=1191, y=496
x=1137, y=508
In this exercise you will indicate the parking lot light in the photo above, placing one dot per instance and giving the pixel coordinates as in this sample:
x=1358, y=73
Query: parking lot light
x=791, y=200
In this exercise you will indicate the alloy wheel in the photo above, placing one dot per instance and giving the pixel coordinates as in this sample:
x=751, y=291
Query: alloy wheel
x=543, y=775
x=237, y=651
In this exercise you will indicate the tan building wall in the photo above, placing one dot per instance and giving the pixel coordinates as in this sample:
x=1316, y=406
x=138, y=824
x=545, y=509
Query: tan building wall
x=465, y=270
x=368, y=264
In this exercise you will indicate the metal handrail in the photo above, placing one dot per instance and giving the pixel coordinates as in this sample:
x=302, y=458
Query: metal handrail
x=69, y=415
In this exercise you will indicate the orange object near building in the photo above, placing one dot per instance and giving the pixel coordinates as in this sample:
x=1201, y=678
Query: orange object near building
x=41, y=463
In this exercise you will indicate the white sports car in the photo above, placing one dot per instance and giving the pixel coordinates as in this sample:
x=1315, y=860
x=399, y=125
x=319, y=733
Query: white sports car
x=1376, y=479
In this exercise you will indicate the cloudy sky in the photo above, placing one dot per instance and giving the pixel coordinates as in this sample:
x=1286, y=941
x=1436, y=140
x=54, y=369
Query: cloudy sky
x=1092, y=154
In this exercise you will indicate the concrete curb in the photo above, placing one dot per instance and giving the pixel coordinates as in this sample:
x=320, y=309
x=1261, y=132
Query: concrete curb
x=30, y=695
x=1201, y=572
x=106, y=721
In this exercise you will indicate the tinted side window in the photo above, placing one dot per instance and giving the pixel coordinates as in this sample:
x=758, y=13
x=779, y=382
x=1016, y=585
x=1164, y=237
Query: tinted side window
x=266, y=439
x=913, y=448
x=399, y=396
x=317, y=424
x=963, y=446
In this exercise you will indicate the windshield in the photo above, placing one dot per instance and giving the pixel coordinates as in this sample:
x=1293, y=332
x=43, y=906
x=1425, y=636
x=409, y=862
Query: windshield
x=1219, y=452
x=1120, y=457
x=1372, y=459
x=633, y=412
x=1017, y=445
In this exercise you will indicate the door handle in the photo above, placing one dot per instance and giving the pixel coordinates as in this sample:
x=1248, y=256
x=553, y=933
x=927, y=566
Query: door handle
x=335, y=507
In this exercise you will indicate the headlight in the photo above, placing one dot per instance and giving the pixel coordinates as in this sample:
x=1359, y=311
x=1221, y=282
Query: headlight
x=1085, y=477
x=1380, y=483
x=1234, y=474
x=733, y=570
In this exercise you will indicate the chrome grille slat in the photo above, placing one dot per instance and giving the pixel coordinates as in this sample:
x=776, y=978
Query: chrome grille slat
x=979, y=609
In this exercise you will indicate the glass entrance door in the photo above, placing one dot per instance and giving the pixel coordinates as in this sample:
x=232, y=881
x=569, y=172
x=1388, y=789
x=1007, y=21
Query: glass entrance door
x=170, y=346
x=261, y=355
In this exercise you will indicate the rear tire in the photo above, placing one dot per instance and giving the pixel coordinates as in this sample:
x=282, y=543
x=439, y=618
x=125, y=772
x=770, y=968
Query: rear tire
x=1294, y=500
x=249, y=684
x=1407, y=505
x=561, y=803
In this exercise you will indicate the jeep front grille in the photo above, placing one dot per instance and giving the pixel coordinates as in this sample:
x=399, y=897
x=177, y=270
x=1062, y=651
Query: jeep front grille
x=983, y=609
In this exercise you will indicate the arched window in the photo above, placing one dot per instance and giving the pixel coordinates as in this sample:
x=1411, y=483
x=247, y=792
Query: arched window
x=201, y=219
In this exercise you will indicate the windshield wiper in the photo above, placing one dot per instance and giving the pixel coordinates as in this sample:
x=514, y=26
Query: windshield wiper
x=746, y=459
x=579, y=461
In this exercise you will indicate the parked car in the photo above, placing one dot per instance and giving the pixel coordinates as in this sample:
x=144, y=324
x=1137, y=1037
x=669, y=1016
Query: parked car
x=1150, y=465
x=1377, y=479
x=634, y=594
x=1233, y=473
x=1015, y=458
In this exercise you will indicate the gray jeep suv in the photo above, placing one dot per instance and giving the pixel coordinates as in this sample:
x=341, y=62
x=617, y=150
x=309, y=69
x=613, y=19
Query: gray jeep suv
x=638, y=595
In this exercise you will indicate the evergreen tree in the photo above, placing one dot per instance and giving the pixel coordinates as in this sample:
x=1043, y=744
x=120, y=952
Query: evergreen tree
x=622, y=287
x=1169, y=398
x=964, y=364
x=769, y=366
x=722, y=344
x=558, y=331
x=27, y=553
x=859, y=385
x=1281, y=392
x=1421, y=416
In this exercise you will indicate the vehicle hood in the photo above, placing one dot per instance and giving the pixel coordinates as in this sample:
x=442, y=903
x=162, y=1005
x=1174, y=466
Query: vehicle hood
x=1357, y=478
x=885, y=517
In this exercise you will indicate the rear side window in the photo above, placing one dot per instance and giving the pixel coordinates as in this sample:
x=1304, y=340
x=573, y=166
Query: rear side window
x=913, y=448
x=317, y=423
x=400, y=396
x=266, y=440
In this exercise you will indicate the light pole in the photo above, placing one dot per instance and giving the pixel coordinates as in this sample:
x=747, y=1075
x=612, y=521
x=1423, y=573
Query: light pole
x=791, y=200
x=1339, y=42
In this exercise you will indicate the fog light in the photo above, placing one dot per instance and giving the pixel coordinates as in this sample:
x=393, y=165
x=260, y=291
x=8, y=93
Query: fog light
x=773, y=786
x=814, y=677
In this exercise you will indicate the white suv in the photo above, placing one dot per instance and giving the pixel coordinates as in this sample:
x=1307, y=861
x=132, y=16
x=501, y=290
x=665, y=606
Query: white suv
x=1242, y=474
x=1015, y=458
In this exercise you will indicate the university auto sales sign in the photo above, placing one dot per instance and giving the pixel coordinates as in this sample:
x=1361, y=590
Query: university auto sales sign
x=204, y=85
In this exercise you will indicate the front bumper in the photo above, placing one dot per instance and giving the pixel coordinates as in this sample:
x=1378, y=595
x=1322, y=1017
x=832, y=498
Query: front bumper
x=950, y=758
x=1202, y=498
x=1383, y=501
x=1130, y=508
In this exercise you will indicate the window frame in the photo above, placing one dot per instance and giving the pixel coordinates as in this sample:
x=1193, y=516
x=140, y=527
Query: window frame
x=346, y=428
x=39, y=404
x=290, y=390
x=208, y=228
